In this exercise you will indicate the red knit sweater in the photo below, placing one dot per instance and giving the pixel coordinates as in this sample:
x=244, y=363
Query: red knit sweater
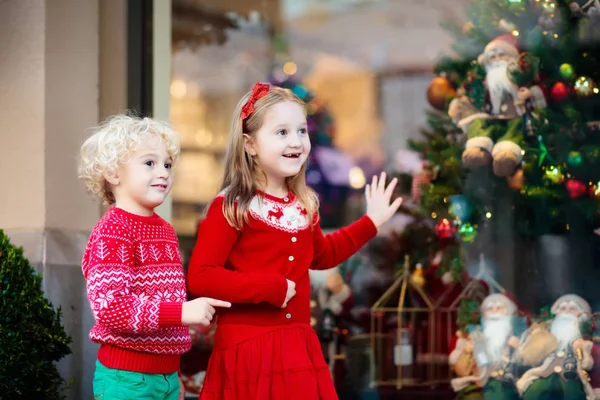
x=249, y=267
x=136, y=286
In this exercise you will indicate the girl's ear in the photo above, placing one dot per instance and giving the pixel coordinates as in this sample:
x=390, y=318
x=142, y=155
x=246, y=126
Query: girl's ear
x=249, y=145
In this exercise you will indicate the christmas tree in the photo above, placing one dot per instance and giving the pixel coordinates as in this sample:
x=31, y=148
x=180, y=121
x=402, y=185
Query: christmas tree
x=512, y=146
x=515, y=119
x=32, y=337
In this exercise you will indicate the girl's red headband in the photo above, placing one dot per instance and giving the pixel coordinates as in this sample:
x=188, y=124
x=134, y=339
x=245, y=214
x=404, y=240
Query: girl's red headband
x=259, y=91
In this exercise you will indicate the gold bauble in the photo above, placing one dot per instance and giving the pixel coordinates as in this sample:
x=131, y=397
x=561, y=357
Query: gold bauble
x=467, y=27
x=417, y=277
x=585, y=86
x=554, y=175
x=439, y=91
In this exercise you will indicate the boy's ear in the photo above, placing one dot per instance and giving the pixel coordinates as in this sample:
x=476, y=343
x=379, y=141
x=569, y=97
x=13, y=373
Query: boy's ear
x=249, y=145
x=112, y=178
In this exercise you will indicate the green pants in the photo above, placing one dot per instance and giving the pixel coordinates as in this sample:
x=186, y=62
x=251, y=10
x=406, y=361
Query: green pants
x=554, y=387
x=116, y=384
x=471, y=392
x=499, y=390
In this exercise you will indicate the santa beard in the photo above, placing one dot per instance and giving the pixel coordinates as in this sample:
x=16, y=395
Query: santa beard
x=499, y=84
x=565, y=329
x=497, y=328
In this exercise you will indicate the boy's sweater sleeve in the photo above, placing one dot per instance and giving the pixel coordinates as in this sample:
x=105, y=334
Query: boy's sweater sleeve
x=335, y=248
x=108, y=267
x=208, y=277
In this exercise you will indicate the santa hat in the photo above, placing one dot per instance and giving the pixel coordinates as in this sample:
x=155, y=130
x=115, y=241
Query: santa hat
x=499, y=299
x=509, y=43
x=579, y=301
x=508, y=300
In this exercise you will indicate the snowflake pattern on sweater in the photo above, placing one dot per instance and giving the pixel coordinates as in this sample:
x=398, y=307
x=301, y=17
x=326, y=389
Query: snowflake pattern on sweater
x=135, y=284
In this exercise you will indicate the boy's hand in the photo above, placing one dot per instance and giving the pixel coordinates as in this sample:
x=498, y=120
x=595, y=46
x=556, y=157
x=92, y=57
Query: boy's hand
x=378, y=197
x=291, y=292
x=201, y=310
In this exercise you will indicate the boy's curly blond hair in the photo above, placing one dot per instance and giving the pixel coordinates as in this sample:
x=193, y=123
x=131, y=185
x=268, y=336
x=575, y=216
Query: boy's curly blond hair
x=111, y=145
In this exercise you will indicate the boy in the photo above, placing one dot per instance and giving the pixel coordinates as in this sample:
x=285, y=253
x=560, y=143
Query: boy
x=132, y=266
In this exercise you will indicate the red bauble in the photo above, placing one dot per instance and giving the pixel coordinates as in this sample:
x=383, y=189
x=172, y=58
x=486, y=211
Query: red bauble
x=560, y=92
x=444, y=229
x=576, y=189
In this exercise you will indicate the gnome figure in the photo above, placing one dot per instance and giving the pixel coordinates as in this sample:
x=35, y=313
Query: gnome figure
x=562, y=373
x=498, y=138
x=490, y=348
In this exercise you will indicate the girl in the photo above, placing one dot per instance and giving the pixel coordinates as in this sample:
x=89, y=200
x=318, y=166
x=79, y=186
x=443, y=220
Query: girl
x=260, y=236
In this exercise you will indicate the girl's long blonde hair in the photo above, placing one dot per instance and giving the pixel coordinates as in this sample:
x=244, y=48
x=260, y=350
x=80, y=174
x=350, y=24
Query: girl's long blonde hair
x=242, y=173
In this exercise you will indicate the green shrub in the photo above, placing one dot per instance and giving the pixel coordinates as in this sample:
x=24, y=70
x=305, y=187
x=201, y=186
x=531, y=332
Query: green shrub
x=32, y=337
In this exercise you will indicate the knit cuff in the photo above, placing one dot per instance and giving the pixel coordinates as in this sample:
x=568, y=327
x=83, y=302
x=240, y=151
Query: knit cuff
x=274, y=287
x=169, y=314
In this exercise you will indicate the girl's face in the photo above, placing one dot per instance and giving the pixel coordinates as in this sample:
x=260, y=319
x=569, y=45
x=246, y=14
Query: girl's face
x=281, y=145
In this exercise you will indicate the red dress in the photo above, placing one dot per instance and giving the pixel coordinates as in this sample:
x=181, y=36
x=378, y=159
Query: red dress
x=263, y=351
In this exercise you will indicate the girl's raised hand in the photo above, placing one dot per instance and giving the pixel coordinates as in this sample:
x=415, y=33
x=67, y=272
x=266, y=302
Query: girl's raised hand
x=378, y=197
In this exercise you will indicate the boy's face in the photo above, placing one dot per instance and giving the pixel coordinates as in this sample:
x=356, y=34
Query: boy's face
x=143, y=183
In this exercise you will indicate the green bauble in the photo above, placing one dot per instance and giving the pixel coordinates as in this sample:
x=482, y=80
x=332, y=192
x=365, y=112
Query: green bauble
x=575, y=159
x=467, y=232
x=566, y=71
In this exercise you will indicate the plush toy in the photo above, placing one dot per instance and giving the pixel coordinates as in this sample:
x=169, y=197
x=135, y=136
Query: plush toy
x=489, y=351
x=510, y=93
x=463, y=112
x=563, y=372
x=331, y=300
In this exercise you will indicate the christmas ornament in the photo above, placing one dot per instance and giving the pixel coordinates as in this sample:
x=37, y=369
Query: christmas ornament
x=460, y=207
x=575, y=159
x=417, y=277
x=447, y=278
x=419, y=180
x=554, y=175
x=548, y=18
x=467, y=233
x=546, y=5
x=516, y=181
x=467, y=27
x=517, y=6
x=546, y=21
x=507, y=26
x=444, y=229
x=576, y=188
x=438, y=92
x=560, y=92
x=594, y=192
x=584, y=86
x=566, y=71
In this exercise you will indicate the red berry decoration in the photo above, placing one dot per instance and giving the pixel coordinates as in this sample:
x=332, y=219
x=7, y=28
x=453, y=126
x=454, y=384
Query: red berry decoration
x=575, y=188
x=444, y=229
x=560, y=92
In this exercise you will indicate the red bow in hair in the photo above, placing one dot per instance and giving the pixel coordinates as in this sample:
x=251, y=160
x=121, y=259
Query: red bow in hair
x=258, y=91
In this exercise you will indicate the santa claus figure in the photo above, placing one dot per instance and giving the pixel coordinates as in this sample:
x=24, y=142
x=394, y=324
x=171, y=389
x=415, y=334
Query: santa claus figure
x=562, y=373
x=463, y=113
x=510, y=93
x=488, y=351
